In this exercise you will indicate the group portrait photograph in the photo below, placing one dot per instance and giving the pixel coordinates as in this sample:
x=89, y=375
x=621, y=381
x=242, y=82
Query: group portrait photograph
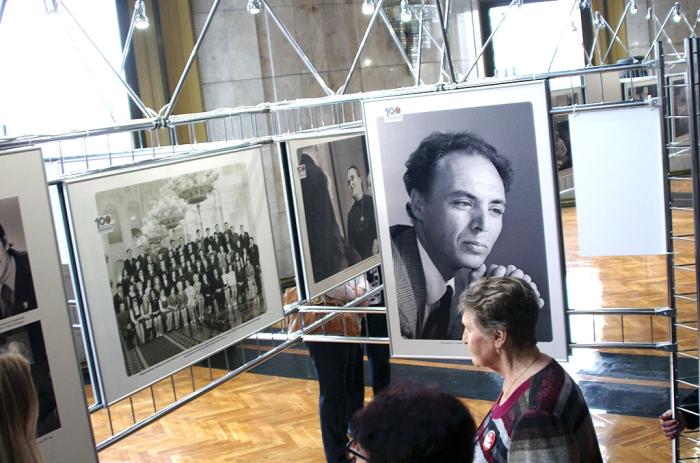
x=184, y=264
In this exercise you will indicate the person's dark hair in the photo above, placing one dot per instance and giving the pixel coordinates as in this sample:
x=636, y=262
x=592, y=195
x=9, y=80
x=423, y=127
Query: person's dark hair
x=412, y=423
x=504, y=303
x=3, y=238
x=420, y=166
x=357, y=170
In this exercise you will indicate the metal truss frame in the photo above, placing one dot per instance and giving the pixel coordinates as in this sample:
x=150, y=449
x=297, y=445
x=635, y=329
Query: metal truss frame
x=269, y=123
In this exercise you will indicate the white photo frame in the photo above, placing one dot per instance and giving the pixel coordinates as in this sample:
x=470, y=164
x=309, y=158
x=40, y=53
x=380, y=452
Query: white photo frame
x=118, y=210
x=43, y=331
x=337, y=234
x=514, y=119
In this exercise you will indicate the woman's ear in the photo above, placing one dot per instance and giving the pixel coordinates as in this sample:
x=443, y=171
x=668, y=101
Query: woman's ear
x=500, y=336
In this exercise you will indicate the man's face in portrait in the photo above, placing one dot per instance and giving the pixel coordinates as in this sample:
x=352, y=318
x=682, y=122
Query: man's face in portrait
x=461, y=217
x=355, y=184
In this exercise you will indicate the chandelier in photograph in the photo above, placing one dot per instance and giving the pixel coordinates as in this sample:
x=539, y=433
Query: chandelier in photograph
x=168, y=211
x=194, y=188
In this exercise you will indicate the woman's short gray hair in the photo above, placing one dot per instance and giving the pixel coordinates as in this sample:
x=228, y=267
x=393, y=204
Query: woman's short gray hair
x=504, y=303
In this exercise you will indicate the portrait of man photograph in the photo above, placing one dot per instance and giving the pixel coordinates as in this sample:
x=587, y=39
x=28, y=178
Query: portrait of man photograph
x=460, y=197
x=16, y=283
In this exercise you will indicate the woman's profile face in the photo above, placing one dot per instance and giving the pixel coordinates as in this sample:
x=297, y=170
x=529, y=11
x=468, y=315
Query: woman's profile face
x=481, y=344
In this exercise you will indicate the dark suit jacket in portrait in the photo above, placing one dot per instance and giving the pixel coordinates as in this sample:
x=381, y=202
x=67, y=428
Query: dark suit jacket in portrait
x=362, y=228
x=444, y=323
x=24, y=296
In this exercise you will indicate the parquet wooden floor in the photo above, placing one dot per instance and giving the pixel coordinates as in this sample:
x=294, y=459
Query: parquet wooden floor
x=262, y=418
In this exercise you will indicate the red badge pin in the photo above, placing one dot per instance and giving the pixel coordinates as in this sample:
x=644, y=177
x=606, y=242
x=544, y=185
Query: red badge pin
x=489, y=440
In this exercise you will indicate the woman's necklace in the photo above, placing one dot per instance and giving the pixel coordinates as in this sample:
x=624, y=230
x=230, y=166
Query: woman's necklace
x=506, y=394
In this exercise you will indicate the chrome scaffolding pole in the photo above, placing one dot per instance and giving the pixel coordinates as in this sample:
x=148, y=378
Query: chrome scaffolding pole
x=297, y=49
x=146, y=111
x=167, y=110
x=488, y=40
x=397, y=43
x=373, y=19
x=616, y=32
x=446, y=41
x=420, y=44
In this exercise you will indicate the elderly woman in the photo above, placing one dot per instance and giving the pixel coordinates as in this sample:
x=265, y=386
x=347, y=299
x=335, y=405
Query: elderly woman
x=540, y=414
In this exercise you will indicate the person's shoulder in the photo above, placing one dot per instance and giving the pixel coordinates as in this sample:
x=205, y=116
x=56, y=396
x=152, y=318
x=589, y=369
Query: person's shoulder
x=401, y=231
x=553, y=390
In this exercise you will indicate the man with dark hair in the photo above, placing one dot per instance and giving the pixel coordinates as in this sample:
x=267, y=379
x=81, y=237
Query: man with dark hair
x=244, y=237
x=130, y=263
x=362, y=228
x=411, y=422
x=16, y=284
x=457, y=186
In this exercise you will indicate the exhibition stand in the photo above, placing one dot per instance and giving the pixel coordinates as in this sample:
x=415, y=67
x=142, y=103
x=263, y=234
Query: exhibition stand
x=173, y=242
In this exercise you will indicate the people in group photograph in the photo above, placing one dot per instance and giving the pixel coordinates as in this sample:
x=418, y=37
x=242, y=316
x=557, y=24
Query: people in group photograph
x=197, y=288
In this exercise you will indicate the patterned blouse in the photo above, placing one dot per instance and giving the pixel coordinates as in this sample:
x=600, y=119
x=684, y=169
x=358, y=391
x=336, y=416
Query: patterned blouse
x=545, y=420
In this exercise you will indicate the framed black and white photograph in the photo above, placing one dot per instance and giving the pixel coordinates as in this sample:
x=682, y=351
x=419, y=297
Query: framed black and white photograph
x=639, y=88
x=16, y=282
x=177, y=260
x=679, y=109
x=562, y=142
x=465, y=188
x=38, y=326
x=334, y=206
x=28, y=341
x=567, y=96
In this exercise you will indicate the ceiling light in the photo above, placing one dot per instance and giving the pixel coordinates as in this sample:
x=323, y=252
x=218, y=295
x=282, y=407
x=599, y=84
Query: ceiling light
x=406, y=15
x=253, y=6
x=677, y=16
x=140, y=18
